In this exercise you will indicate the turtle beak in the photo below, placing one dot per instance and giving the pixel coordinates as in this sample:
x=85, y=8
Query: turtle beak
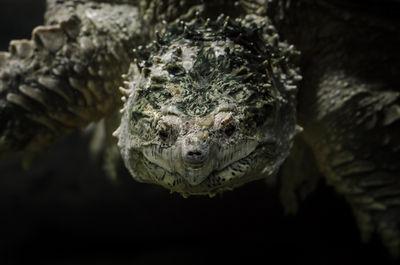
x=195, y=156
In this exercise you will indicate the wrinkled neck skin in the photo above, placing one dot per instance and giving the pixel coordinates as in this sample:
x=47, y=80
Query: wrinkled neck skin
x=207, y=112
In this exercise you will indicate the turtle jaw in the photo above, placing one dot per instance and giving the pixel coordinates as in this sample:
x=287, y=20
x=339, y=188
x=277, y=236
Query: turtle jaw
x=233, y=175
x=195, y=174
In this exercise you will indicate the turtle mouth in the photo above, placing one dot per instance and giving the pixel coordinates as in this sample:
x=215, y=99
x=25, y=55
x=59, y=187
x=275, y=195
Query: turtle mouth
x=195, y=164
x=226, y=178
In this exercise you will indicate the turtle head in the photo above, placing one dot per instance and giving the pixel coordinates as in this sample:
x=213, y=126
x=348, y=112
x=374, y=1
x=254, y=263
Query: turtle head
x=208, y=109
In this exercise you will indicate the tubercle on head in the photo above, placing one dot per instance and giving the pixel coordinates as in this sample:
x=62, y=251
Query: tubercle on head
x=279, y=53
x=223, y=26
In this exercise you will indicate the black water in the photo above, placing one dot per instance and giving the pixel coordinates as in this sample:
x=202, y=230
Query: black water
x=65, y=211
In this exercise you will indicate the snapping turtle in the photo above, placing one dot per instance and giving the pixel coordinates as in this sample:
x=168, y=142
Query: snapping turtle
x=210, y=101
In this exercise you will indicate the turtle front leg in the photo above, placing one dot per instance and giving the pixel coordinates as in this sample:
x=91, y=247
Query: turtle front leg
x=353, y=127
x=358, y=150
x=349, y=107
x=67, y=75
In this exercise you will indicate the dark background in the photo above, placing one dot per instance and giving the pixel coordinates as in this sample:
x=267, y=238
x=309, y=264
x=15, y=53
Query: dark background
x=65, y=210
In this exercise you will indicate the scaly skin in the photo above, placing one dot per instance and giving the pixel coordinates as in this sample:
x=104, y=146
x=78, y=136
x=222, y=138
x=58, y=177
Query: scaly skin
x=349, y=104
x=67, y=75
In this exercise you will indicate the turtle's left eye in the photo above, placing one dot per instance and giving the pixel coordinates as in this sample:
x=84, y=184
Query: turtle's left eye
x=225, y=124
x=229, y=129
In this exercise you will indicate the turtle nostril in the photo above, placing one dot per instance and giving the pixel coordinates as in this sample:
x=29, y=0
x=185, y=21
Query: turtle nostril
x=194, y=154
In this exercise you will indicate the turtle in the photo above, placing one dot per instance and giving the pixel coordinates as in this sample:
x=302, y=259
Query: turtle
x=204, y=96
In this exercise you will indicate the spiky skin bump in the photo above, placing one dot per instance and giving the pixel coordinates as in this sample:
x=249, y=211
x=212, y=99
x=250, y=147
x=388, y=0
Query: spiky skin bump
x=219, y=90
x=66, y=76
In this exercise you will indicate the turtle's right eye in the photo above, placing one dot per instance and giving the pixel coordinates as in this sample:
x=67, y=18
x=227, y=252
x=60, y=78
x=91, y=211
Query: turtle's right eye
x=168, y=129
x=163, y=134
x=167, y=133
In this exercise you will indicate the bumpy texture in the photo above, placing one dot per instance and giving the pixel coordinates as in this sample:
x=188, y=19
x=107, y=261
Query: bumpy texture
x=212, y=108
x=66, y=76
x=349, y=104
